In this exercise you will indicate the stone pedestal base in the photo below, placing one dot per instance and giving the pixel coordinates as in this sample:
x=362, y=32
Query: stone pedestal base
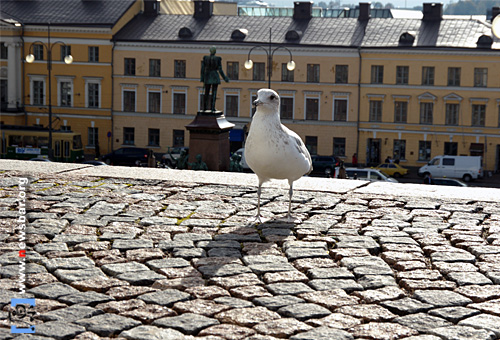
x=209, y=137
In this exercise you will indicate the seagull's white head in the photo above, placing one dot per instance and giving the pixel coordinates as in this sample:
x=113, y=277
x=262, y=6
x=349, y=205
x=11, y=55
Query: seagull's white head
x=268, y=100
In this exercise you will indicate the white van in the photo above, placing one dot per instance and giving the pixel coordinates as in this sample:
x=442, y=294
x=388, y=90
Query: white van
x=464, y=167
x=371, y=175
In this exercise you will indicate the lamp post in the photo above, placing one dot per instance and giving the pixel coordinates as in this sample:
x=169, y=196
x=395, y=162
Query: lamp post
x=270, y=52
x=68, y=59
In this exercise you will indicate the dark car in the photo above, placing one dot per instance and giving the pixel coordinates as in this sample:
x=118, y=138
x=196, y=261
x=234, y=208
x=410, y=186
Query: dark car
x=448, y=182
x=96, y=163
x=127, y=156
x=324, y=165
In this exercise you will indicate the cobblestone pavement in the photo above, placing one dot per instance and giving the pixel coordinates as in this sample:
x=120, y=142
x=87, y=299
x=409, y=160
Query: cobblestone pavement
x=150, y=259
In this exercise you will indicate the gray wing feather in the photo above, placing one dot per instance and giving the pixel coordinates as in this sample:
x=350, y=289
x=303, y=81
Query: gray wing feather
x=303, y=150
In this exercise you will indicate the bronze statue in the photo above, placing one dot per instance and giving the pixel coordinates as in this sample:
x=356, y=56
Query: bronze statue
x=211, y=67
x=234, y=164
x=199, y=164
x=182, y=161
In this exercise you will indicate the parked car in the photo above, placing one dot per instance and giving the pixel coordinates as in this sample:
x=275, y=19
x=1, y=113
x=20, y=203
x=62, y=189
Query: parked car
x=127, y=156
x=392, y=169
x=464, y=167
x=174, y=152
x=243, y=162
x=324, y=165
x=372, y=175
x=449, y=182
x=96, y=163
x=40, y=159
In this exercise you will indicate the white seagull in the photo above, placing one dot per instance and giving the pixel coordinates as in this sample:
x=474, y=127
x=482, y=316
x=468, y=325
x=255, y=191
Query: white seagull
x=271, y=149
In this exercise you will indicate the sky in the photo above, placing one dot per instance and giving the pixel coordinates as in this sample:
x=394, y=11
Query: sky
x=396, y=3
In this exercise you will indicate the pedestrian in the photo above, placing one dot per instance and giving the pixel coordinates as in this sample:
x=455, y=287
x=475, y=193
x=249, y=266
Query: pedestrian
x=428, y=179
x=355, y=160
x=342, y=173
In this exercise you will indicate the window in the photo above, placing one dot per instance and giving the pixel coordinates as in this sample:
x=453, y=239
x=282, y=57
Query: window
x=259, y=71
x=65, y=51
x=287, y=75
x=286, y=107
x=93, y=94
x=402, y=75
x=128, y=136
x=3, y=51
x=179, y=103
x=253, y=108
x=375, y=111
x=424, y=151
x=312, y=144
x=232, y=71
x=478, y=114
x=341, y=74
x=93, y=54
x=153, y=137
x=232, y=103
x=313, y=73
x=129, y=101
x=377, y=76
x=453, y=76
x=399, y=149
x=400, y=112
x=340, y=110
x=154, y=67
x=338, y=146
x=449, y=161
x=3, y=93
x=179, y=68
x=178, y=138
x=154, y=102
x=451, y=148
x=428, y=75
x=426, y=113
x=452, y=114
x=498, y=115
x=129, y=67
x=38, y=92
x=480, y=77
x=38, y=51
x=93, y=133
x=65, y=90
x=312, y=108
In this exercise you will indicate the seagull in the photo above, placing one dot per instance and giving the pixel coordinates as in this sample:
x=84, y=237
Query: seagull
x=272, y=150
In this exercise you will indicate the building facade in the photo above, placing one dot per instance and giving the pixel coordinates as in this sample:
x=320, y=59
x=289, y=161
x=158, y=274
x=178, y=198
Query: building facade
x=409, y=88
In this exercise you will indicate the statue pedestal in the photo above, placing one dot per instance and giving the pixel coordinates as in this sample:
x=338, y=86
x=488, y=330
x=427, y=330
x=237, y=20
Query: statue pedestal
x=209, y=137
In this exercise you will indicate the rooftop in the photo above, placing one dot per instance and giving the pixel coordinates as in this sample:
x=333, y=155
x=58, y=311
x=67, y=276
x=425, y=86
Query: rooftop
x=130, y=252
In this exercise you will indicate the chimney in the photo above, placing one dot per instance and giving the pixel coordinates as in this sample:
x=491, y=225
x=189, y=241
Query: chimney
x=151, y=7
x=302, y=10
x=494, y=12
x=364, y=11
x=433, y=12
x=203, y=9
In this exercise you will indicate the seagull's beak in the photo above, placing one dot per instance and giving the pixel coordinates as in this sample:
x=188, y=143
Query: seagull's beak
x=257, y=102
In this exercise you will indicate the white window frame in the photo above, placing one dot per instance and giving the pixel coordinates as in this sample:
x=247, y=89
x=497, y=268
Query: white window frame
x=177, y=90
x=288, y=94
x=340, y=96
x=92, y=81
x=232, y=92
x=42, y=79
x=156, y=89
x=65, y=80
x=130, y=88
x=312, y=95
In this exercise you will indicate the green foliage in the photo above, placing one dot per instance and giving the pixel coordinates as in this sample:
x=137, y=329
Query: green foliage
x=471, y=7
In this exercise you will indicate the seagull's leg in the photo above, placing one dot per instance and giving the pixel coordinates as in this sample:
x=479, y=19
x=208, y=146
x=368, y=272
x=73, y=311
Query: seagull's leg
x=290, y=193
x=259, y=190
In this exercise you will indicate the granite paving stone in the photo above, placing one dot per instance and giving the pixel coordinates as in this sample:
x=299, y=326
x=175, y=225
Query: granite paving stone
x=406, y=306
x=282, y=328
x=383, y=331
x=187, y=323
x=323, y=333
x=463, y=333
x=276, y=302
x=422, y=322
x=59, y=330
x=483, y=321
x=167, y=297
x=151, y=333
x=108, y=325
x=227, y=331
x=454, y=314
x=441, y=298
x=304, y=311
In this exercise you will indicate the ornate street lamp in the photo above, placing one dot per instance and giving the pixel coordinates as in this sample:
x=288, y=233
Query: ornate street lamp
x=495, y=26
x=68, y=59
x=270, y=52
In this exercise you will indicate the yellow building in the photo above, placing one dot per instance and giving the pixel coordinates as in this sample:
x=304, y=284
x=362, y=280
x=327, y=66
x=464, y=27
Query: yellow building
x=79, y=94
x=364, y=82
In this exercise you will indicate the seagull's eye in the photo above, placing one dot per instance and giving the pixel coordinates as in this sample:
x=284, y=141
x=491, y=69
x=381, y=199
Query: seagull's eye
x=272, y=97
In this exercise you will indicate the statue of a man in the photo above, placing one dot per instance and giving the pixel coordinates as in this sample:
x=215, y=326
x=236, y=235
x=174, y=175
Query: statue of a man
x=210, y=70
